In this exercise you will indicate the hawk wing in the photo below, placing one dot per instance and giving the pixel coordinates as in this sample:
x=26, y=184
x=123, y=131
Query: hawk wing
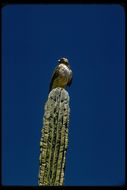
x=70, y=81
x=54, y=76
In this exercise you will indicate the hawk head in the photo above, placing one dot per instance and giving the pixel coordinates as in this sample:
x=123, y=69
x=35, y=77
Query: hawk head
x=63, y=61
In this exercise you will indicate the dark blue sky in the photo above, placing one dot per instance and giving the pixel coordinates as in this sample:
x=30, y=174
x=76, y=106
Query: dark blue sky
x=92, y=37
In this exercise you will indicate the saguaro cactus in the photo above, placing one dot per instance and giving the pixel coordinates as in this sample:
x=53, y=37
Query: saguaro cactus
x=54, y=140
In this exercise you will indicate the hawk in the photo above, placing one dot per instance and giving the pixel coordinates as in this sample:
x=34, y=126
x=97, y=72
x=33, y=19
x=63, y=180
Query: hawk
x=62, y=75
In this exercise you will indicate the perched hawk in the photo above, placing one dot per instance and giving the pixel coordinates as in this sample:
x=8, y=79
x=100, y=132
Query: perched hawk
x=62, y=75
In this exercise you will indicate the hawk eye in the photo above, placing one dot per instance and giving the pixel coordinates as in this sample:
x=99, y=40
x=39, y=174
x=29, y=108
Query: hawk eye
x=60, y=60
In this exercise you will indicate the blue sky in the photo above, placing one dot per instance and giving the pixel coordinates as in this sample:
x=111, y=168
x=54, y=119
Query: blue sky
x=92, y=37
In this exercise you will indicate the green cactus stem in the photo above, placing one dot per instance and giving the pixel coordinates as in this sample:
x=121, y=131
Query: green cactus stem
x=54, y=140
